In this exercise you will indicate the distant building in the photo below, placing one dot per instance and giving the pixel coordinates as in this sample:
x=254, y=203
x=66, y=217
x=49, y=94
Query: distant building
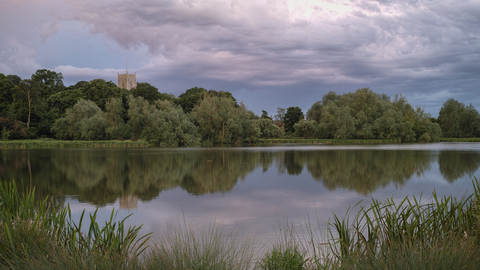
x=127, y=81
x=128, y=202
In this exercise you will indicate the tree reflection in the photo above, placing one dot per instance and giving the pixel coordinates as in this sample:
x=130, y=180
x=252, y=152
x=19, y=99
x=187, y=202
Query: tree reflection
x=454, y=165
x=365, y=171
x=101, y=176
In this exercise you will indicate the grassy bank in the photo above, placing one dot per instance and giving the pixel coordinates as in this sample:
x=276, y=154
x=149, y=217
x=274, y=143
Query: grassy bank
x=459, y=139
x=50, y=143
x=326, y=141
x=442, y=233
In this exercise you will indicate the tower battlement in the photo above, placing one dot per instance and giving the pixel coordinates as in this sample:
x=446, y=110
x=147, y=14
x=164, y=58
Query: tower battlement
x=127, y=81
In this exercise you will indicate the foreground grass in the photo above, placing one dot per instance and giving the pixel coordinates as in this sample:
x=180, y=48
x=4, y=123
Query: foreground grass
x=442, y=233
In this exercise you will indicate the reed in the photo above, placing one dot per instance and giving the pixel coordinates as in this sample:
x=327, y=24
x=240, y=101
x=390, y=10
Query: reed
x=184, y=246
x=441, y=233
x=32, y=234
x=386, y=231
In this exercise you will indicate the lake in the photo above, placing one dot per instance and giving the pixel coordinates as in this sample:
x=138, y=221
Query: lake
x=251, y=189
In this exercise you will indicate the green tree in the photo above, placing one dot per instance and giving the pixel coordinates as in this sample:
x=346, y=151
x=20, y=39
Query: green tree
x=306, y=129
x=293, y=116
x=78, y=85
x=150, y=93
x=268, y=129
x=50, y=82
x=14, y=79
x=216, y=117
x=138, y=112
x=7, y=89
x=344, y=123
x=84, y=121
x=265, y=115
x=449, y=118
x=170, y=126
x=425, y=131
x=190, y=98
x=28, y=98
x=386, y=127
x=114, y=114
x=469, y=122
x=280, y=116
x=315, y=112
x=100, y=91
x=194, y=96
x=61, y=101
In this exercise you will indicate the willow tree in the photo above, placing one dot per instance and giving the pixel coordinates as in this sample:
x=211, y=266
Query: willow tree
x=215, y=117
x=168, y=125
x=83, y=121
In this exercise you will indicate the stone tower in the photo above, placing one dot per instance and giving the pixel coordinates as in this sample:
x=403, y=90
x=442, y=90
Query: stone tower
x=127, y=81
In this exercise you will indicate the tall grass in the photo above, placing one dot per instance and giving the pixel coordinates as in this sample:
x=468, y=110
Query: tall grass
x=440, y=233
x=42, y=235
x=184, y=246
x=443, y=230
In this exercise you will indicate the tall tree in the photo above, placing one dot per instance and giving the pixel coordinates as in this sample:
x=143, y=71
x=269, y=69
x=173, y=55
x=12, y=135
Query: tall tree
x=293, y=116
x=138, y=113
x=100, y=91
x=7, y=89
x=265, y=115
x=28, y=96
x=150, y=93
x=190, y=98
x=449, y=118
x=280, y=116
x=61, y=101
x=216, y=118
x=50, y=82
x=114, y=114
x=469, y=122
x=14, y=79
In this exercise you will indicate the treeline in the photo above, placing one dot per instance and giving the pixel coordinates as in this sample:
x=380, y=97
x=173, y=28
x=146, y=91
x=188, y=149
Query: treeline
x=364, y=114
x=98, y=110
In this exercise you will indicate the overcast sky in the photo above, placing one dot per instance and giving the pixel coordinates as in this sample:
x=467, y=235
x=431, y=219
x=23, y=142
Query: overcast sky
x=267, y=53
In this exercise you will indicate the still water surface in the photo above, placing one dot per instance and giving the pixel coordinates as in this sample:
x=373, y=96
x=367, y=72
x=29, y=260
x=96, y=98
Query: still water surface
x=247, y=188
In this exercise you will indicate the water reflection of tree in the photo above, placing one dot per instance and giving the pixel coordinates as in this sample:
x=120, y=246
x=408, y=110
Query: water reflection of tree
x=454, y=165
x=365, y=171
x=101, y=176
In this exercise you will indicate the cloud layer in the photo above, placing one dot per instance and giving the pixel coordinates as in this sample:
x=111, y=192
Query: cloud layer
x=295, y=48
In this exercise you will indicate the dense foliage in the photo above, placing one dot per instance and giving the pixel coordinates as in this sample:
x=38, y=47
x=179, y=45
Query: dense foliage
x=43, y=106
x=368, y=115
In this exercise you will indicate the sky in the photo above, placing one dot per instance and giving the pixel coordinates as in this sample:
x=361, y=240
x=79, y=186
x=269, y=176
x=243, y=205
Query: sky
x=267, y=53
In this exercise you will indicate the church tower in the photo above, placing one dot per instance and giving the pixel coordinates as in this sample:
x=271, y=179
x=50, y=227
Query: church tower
x=127, y=81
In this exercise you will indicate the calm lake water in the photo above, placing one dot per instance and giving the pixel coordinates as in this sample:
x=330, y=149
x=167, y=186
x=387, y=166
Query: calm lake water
x=251, y=189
